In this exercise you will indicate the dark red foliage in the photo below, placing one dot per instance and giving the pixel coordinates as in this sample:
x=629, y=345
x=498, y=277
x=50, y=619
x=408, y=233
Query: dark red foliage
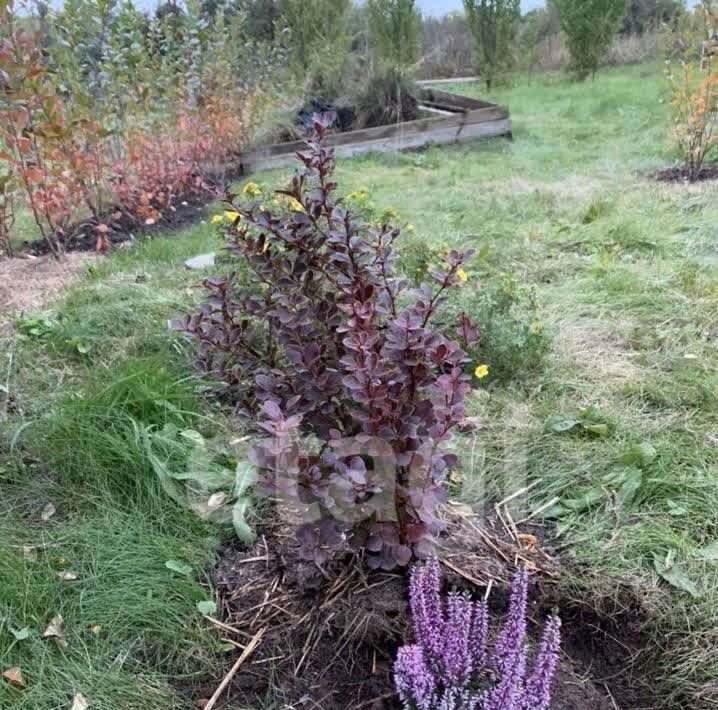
x=334, y=358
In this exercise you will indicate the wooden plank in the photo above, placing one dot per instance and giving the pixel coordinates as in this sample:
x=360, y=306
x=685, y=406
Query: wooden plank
x=455, y=80
x=423, y=125
x=466, y=118
x=485, y=129
x=446, y=98
x=430, y=108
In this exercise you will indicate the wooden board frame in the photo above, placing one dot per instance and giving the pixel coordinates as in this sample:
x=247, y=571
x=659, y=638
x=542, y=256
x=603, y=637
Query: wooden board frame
x=468, y=119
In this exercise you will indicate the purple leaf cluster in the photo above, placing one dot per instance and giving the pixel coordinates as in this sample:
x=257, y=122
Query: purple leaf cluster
x=450, y=664
x=327, y=343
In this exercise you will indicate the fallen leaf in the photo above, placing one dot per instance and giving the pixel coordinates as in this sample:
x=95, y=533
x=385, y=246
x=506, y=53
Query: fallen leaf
x=179, y=567
x=672, y=573
x=202, y=703
x=455, y=477
x=675, y=508
x=20, y=634
x=527, y=541
x=641, y=455
x=208, y=607
x=80, y=702
x=633, y=480
x=14, y=677
x=47, y=512
x=67, y=576
x=29, y=553
x=54, y=631
x=216, y=500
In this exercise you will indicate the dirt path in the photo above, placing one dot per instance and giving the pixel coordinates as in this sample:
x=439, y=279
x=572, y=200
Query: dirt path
x=26, y=284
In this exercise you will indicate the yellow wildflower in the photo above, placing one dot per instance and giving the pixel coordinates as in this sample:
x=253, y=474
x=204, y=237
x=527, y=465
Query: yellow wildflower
x=481, y=371
x=217, y=218
x=410, y=228
x=252, y=189
x=463, y=276
x=231, y=216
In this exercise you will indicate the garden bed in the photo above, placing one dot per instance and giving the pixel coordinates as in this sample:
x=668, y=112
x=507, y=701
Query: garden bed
x=452, y=118
x=329, y=637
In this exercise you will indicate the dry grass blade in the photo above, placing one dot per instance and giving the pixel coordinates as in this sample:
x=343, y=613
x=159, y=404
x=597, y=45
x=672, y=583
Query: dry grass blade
x=256, y=640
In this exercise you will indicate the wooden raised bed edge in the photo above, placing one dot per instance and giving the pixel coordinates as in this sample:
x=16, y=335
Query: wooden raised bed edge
x=470, y=119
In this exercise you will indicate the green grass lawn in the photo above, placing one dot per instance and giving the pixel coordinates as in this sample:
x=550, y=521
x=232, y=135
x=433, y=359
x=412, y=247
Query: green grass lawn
x=624, y=272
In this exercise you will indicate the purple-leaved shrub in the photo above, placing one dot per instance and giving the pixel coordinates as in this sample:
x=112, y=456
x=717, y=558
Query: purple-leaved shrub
x=337, y=361
x=450, y=665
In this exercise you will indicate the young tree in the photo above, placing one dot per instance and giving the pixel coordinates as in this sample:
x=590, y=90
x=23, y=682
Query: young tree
x=492, y=22
x=590, y=27
x=690, y=50
x=320, y=41
x=395, y=29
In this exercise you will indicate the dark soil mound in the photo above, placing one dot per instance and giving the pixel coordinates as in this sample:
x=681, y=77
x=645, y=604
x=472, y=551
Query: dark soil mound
x=329, y=637
x=709, y=172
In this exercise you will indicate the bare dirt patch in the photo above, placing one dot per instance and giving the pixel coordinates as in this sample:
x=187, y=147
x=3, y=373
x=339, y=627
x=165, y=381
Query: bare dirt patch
x=27, y=284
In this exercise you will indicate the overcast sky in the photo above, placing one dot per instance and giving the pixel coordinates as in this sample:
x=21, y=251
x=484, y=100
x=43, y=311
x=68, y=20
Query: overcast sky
x=441, y=7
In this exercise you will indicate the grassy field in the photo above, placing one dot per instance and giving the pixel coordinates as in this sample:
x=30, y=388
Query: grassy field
x=617, y=272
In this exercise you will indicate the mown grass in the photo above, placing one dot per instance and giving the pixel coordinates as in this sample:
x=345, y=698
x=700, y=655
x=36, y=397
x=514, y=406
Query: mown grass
x=624, y=271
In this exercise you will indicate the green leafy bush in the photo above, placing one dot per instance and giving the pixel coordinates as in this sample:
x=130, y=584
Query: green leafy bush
x=512, y=339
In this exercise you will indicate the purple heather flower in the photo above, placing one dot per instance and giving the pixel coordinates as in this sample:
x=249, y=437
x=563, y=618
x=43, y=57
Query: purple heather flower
x=507, y=694
x=510, y=640
x=414, y=681
x=449, y=666
x=456, y=657
x=453, y=699
x=426, y=609
x=537, y=694
x=479, y=635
